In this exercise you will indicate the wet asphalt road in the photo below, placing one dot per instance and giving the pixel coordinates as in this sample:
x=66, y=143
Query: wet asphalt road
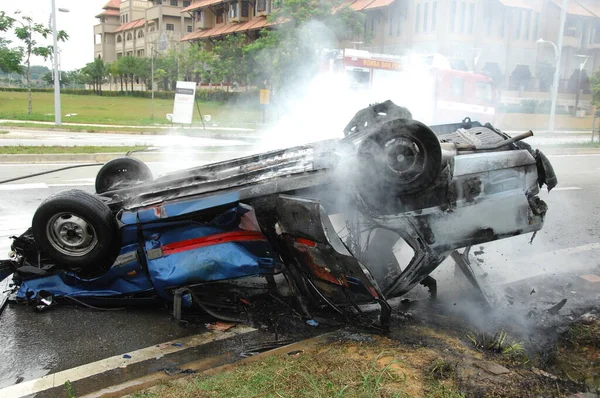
x=32, y=344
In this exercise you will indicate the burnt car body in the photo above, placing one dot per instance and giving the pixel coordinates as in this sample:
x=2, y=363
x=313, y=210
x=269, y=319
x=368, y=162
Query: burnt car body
x=194, y=236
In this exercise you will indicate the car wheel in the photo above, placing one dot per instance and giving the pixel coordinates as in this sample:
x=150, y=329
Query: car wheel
x=121, y=171
x=400, y=158
x=77, y=230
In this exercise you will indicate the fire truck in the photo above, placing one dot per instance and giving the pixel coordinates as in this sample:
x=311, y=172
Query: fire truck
x=426, y=84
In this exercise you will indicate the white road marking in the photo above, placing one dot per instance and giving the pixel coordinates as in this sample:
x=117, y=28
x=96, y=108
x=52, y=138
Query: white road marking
x=574, y=155
x=76, y=184
x=18, y=187
x=567, y=189
x=94, y=368
x=41, y=185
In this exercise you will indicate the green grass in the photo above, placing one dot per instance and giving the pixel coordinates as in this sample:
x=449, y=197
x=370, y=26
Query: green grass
x=116, y=110
x=326, y=374
x=3, y=132
x=39, y=150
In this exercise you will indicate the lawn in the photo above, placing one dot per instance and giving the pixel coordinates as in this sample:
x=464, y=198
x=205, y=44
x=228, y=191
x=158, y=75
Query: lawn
x=116, y=110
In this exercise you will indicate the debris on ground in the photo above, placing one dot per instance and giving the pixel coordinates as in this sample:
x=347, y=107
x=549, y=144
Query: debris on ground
x=220, y=326
x=555, y=308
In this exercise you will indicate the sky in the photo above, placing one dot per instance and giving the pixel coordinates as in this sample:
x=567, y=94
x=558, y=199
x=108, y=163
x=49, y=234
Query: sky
x=78, y=23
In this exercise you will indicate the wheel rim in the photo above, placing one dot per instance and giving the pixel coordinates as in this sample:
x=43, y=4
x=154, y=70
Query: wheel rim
x=407, y=158
x=71, y=235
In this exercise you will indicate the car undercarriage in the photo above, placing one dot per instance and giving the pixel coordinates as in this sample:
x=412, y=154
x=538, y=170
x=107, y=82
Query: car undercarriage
x=343, y=225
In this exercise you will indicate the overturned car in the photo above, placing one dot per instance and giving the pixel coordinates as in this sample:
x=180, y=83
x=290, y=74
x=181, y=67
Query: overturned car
x=334, y=218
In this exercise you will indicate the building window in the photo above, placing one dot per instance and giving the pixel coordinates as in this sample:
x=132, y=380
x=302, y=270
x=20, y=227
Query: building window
x=373, y=23
x=140, y=53
x=399, y=23
x=518, y=25
x=433, y=16
x=199, y=16
x=170, y=26
x=220, y=16
x=174, y=3
x=233, y=10
x=536, y=26
x=390, y=22
x=261, y=5
x=129, y=36
x=425, y=16
x=244, y=9
x=189, y=28
x=471, y=18
x=140, y=34
x=461, y=18
x=417, y=18
x=119, y=38
x=186, y=3
x=453, y=16
x=119, y=55
x=527, y=25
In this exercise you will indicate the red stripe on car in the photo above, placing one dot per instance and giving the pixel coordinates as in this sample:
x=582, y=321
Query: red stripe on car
x=190, y=244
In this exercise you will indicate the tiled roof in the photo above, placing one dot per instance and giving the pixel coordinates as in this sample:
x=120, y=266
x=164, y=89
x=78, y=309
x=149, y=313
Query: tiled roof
x=109, y=12
x=201, y=4
x=253, y=24
x=574, y=8
x=591, y=6
x=379, y=4
x=113, y=4
x=130, y=25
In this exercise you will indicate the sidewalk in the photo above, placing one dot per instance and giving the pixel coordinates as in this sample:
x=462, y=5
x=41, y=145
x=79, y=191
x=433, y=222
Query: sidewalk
x=156, y=126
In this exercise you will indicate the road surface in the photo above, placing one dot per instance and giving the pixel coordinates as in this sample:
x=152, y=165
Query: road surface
x=34, y=344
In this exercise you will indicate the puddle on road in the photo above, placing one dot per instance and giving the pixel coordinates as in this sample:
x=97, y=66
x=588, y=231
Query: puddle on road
x=25, y=355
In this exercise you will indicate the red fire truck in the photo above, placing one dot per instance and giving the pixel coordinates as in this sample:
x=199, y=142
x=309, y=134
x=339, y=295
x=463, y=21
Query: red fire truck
x=426, y=84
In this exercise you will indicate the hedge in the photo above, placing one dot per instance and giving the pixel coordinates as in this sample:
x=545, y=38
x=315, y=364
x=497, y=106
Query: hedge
x=201, y=95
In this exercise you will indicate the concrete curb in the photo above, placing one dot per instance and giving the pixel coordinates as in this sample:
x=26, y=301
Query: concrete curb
x=204, y=369
x=248, y=134
x=162, y=156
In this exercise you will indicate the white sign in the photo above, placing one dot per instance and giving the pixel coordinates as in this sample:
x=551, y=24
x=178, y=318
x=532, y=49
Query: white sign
x=183, y=108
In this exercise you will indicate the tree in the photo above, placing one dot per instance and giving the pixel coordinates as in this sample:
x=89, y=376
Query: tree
x=230, y=61
x=29, y=32
x=65, y=79
x=128, y=66
x=289, y=55
x=96, y=73
x=10, y=58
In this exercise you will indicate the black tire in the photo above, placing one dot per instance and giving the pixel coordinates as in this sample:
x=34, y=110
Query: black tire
x=77, y=230
x=121, y=171
x=402, y=157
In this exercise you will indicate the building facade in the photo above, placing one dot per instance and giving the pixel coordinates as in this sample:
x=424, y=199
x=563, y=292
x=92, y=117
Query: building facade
x=498, y=37
x=136, y=27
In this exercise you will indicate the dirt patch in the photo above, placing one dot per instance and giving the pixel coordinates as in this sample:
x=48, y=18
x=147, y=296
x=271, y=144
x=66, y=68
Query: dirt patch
x=433, y=350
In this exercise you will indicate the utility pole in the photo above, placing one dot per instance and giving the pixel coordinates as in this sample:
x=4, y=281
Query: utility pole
x=152, y=78
x=56, y=72
x=561, y=32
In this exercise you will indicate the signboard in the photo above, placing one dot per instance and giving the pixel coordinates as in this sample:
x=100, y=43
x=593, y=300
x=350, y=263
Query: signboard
x=264, y=97
x=373, y=63
x=183, y=108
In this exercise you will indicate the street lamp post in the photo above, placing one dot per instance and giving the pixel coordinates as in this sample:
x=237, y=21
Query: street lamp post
x=557, y=54
x=582, y=63
x=55, y=66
